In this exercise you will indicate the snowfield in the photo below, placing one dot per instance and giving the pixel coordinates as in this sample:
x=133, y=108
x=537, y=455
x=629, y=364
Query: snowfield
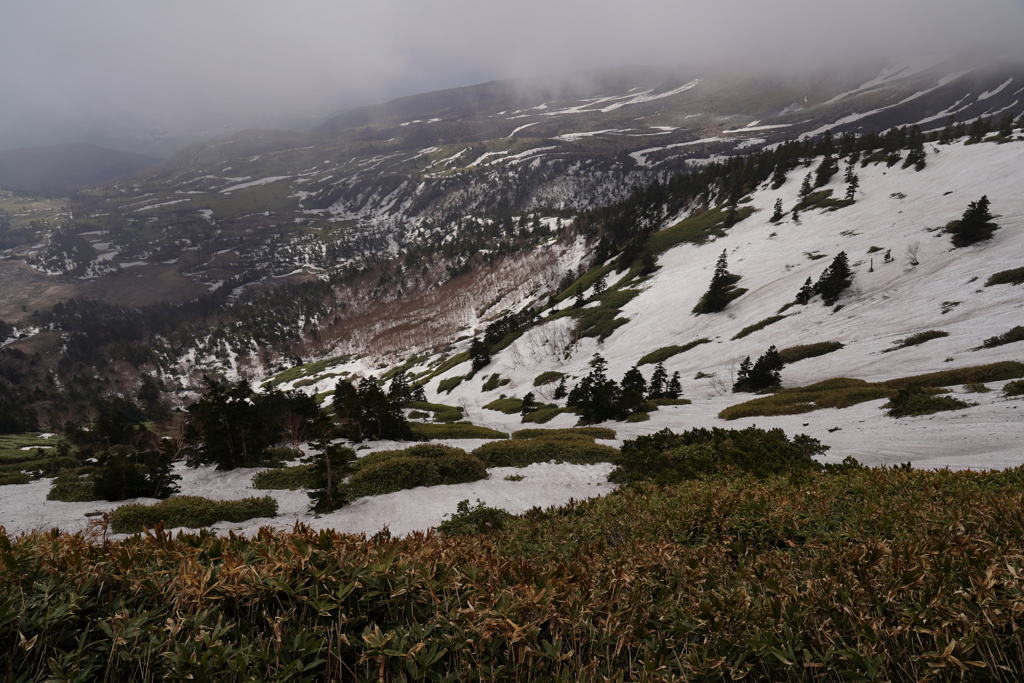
x=895, y=209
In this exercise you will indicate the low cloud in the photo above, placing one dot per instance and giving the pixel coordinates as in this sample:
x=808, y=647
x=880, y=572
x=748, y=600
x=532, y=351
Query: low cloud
x=193, y=63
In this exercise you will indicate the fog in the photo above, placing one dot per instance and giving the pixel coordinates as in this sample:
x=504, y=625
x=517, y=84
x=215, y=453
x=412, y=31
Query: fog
x=111, y=69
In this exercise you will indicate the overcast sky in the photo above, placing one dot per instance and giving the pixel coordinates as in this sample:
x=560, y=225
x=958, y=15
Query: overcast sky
x=190, y=62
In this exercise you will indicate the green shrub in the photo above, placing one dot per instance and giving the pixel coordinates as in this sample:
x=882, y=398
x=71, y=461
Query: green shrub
x=446, y=385
x=571, y=434
x=189, y=511
x=1015, y=388
x=547, y=378
x=285, y=478
x=479, y=519
x=545, y=415
x=665, y=457
x=74, y=486
x=665, y=352
x=750, y=329
x=993, y=372
x=495, y=381
x=524, y=452
x=916, y=339
x=912, y=401
x=976, y=388
x=656, y=402
x=793, y=354
x=440, y=411
x=428, y=450
x=8, y=478
x=457, y=430
x=1014, y=276
x=1014, y=335
x=397, y=473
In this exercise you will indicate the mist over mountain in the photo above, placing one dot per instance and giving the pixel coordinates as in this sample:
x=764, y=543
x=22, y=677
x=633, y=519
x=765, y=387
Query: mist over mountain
x=64, y=167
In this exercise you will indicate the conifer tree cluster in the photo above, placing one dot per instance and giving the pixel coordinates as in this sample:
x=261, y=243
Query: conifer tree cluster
x=760, y=375
x=831, y=283
x=975, y=226
x=721, y=291
x=597, y=398
x=366, y=412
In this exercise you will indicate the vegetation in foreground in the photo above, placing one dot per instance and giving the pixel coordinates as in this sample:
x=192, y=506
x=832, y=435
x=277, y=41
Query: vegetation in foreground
x=856, y=574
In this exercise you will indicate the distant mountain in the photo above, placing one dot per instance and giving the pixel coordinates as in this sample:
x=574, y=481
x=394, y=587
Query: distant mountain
x=62, y=167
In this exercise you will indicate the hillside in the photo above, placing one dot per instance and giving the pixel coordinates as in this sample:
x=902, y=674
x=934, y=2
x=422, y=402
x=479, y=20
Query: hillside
x=945, y=302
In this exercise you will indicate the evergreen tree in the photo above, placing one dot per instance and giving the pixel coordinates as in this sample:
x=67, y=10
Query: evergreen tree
x=853, y=182
x=1020, y=122
x=763, y=374
x=633, y=390
x=834, y=279
x=805, y=187
x=366, y=412
x=647, y=264
x=399, y=391
x=659, y=379
x=979, y=129
x=806, y=293
x=1006, y=125
x=529, y=404
x=479, y=355
x=948, y=134
x=675, y=386
x=332, y=463
x=916, y=156
x=779, y=176
x=975, y=226
x=826, y=169
x=561, y=391
x=777, y=214
x=721, y=291
x=596, y=398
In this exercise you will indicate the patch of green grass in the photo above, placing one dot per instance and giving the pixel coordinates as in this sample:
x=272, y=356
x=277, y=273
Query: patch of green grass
x=976, y=388
x=1014, y=276
x=439, y=411
x=822, y=199
x=793, y=354
x=843, y=392
x=8, y=478
x=189, y=511
x=1014, y=335
x=750, y=329
x=585, y=282
x=495, y=381
x=665, y=352
x=638, y=417
x=446, y=385
x=548, y=377
x=11, y=446
x=917, y=339
x=600, y=321
x=699, y=229
x=446, y=365
x=509, y=406
x=301, y=371
x=1015, y=388
x=670, y=401
x=455, y=430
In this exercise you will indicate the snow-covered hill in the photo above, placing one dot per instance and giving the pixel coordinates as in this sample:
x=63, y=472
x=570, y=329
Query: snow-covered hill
x=896, y=208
